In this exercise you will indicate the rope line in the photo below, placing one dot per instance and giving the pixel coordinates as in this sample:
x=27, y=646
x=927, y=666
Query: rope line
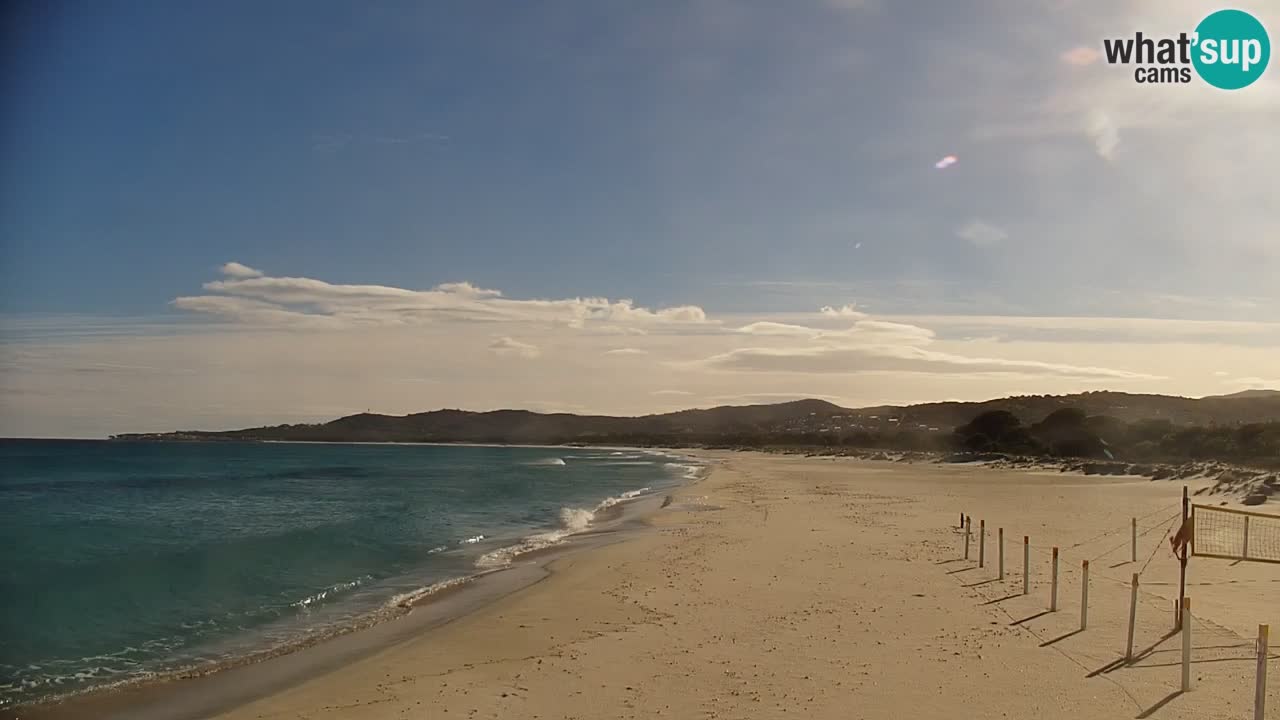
x=1113, y=532
x=1160, y=544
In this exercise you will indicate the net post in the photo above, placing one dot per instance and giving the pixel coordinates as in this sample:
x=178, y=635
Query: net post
x=1000, y=538
x=982, y=543
x=1084, y=595
x=1133, y=616
x=1182, y=561
x=1053, y=587
x=1186, y=644
x=1260, y=691
x=1026, y=564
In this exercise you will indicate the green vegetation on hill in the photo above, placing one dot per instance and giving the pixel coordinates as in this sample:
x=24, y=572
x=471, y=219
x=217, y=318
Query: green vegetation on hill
x=1071, y=433
x=1245, y=427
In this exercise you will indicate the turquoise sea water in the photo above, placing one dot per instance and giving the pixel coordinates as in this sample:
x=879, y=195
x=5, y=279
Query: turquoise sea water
x=127, y=559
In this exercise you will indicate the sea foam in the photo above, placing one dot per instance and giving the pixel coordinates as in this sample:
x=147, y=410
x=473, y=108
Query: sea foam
x=572, y=522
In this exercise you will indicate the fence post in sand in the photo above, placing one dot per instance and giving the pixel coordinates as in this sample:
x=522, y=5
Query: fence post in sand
x=1026, y=564
x=966, y=542
x=1053, y=587
x=1186, y=644
x=1084, y=595
x=961, y=521
x=1133, y=544
x=1260, y=692
x=982, y=543
x=1133, y=617
x=1000, y=537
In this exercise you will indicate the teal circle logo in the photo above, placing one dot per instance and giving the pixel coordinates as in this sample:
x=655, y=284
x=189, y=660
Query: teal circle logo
x=1231, y=49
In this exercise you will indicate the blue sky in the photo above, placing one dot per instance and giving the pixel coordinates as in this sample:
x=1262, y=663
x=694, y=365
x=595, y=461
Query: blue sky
x=757, y=160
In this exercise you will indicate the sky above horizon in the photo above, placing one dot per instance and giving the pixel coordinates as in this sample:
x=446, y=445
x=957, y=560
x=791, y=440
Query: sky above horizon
x=233, y=214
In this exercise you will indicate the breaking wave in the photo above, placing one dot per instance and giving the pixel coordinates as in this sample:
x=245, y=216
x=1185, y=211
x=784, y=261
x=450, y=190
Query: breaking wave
x=572, y=522
x=546, y=462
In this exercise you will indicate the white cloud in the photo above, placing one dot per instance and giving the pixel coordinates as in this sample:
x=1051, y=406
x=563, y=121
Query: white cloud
x=845, y=311
x=901, y=359
x=1256, y=383
x=509, y=347
x=778, y=329
x=236, y=270
x=671, y=392
x=299, y=350
x=880, y=332
x=982, y=234
x=259, y=299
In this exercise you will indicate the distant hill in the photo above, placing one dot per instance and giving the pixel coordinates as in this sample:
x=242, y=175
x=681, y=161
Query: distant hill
x=1249, y=394
x=1215, y=410
x=751, y=424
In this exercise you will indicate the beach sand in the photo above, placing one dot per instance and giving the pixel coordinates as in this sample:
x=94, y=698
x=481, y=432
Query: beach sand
x=783, y=586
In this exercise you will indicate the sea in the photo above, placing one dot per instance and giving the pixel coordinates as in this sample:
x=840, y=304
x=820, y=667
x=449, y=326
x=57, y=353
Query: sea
x=125, y=561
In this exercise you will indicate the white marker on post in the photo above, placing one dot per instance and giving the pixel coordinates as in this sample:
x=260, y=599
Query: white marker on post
x=1186, y=644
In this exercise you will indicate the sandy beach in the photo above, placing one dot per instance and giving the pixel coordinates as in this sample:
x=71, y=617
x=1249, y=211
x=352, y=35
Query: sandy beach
x=782, y=586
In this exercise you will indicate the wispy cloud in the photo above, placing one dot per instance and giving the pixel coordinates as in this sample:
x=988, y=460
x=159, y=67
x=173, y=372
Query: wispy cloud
x=982, y=234
x=236, y=270
x=261, y=299
x=898, y=359
x=509, y=347
x=671, y=392
x=845, y=311
x=1256, y=383
x=626, y=351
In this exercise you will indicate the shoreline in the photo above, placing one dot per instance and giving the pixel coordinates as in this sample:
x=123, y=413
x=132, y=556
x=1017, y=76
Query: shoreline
x=778, y=584
x=198, y=691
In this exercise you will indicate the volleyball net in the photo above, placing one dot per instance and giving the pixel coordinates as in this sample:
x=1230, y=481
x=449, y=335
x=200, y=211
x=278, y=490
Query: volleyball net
x=1230, y=534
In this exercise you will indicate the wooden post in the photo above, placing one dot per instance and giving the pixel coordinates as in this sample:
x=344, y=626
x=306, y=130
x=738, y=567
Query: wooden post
x=1260, y=692
x=1000, y=539
x=1053, y=591
x=1133, y=544
x=1133, y=616
x=966, y=541
x=1244, y=553
x=1186, y=644
x=1084, y=595
x=1026, y=565
x=961, y=525
x=982, y=543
